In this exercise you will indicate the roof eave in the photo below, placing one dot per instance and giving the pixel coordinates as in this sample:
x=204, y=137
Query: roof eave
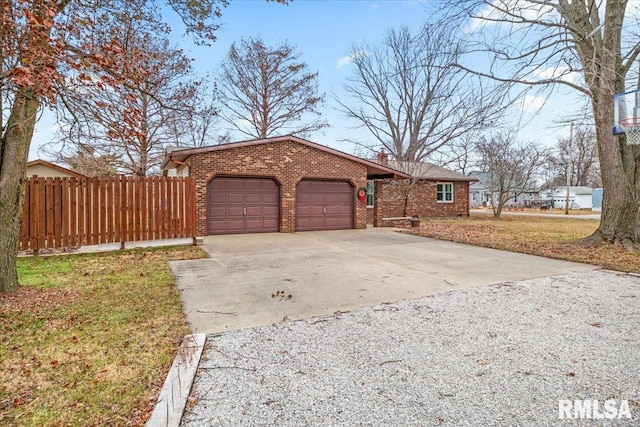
x=372, y=167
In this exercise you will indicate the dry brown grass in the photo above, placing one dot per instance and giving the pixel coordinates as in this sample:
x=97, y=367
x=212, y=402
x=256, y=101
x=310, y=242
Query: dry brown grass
x=544, y=236
x=88, y=339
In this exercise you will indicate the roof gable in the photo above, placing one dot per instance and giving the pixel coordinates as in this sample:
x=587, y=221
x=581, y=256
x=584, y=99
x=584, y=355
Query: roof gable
x=177, y=156
x=40, y=162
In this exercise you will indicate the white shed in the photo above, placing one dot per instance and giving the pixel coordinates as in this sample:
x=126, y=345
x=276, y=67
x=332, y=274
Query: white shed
x=579, y=197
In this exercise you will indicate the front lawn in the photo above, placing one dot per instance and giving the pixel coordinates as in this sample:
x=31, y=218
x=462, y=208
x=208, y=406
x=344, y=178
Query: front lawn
x=88, y=339
x=544, y=236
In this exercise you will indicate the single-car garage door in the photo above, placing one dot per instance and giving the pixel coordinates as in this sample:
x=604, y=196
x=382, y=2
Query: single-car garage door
x=242, y=205
x=324, y=205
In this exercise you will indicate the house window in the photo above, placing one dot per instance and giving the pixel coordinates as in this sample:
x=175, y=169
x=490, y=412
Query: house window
x=444, y=192
x=370, y=187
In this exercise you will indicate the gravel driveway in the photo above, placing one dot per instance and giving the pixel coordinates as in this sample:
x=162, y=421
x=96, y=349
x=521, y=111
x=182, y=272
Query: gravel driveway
x=499, y=355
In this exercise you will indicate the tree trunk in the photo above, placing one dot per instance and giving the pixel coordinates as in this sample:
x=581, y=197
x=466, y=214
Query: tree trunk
x=618, y=161
x=619, y=222
x=605, y=76
x=14, y=152
x=497, y=211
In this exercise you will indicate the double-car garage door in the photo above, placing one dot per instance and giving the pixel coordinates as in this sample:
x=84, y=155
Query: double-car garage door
x=251, y=205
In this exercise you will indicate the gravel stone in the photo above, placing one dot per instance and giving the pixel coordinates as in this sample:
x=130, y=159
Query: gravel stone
x=499, y=355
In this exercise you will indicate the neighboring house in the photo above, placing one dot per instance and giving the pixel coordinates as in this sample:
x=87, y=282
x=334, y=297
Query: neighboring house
x=480, y=193
x=579, y=197
x=281, y=184
x=433, y=191
x=44, y=169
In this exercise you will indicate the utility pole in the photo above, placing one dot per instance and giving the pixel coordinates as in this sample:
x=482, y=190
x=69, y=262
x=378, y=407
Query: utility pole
x=568, y=165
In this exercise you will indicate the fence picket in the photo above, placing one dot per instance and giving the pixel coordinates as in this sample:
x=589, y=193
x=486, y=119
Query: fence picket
x=73, y=212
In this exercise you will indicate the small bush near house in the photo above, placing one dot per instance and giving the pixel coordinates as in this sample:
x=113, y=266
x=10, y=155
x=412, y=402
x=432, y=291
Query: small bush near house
x=88, y=339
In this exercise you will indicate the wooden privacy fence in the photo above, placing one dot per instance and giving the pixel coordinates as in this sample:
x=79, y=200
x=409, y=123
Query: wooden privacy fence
x=72, y=212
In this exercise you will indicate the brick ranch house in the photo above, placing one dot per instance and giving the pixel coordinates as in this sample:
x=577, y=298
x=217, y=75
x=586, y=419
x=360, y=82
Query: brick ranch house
x=283, y=184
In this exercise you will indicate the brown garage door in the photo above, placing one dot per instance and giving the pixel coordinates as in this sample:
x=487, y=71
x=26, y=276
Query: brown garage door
x=242, y=205
x=324, y=205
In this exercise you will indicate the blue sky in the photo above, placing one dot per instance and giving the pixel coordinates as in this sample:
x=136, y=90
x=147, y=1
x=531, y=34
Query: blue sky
x=323, y=31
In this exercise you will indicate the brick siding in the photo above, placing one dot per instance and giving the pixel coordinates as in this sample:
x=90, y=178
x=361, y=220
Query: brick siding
x=369, y=215
x=288, y=162
x=422, y=201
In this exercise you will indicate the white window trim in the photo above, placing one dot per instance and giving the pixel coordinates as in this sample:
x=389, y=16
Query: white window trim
x=444, y=192
x=370, y=206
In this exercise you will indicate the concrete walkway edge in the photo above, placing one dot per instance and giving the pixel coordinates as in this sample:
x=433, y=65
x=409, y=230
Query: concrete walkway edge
x=177, y=386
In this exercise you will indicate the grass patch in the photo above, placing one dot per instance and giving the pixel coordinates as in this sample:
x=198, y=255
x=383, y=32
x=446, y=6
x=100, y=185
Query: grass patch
x=545, y=236
x=88, y=339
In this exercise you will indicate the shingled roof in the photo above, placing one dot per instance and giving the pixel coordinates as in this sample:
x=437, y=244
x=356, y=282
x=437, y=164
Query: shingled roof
x=423, y=170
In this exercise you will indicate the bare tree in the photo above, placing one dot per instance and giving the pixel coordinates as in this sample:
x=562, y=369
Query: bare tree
x=85, y=161
x=459, y=155
x=407, y=93
x=131, y=119
x=266, y=90
x=196, y=129
x=589, y=46
x=511, y=166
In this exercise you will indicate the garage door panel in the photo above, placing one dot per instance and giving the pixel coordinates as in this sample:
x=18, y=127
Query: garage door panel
x=270, y=213
x=318, y=223
x=324, y=205
x=218, y=211
x=316, y=210
x=218, y=197
x=235, y=184
x=317, y=198
x=302, y=198
x=242, y=205
x=331, y=198
x=258, y=211
x=232, y=211
x=255, y=224
x=271, y=199
x=235, y=225
x=254, y=198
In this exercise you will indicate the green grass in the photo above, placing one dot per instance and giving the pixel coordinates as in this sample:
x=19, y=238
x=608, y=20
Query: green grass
x=87, y=339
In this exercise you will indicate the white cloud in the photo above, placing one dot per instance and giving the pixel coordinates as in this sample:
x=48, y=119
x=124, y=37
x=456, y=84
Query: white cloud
x=558, y=73
x=346, y=60
x=533, y=103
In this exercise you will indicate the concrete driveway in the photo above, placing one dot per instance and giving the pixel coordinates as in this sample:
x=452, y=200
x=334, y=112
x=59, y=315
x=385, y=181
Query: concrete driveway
x=259, y=279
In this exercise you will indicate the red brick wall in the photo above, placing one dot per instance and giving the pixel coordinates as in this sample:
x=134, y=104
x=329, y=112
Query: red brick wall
x=422, y=200
x=288, y=162
x=369, y=215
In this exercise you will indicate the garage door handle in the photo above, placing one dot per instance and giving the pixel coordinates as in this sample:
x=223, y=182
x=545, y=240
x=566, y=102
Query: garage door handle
x=324, y=211
x=244, y=211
